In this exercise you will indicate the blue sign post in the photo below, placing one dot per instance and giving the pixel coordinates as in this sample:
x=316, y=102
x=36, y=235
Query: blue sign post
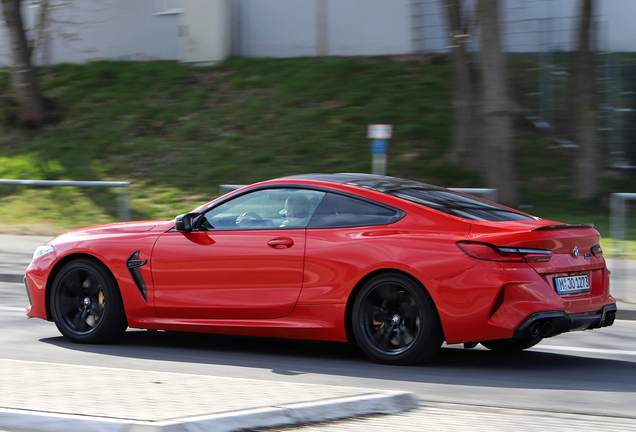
x=379, y=146
x=380, y=135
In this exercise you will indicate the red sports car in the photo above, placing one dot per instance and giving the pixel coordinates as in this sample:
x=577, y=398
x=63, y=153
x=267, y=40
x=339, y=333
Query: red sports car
x=395, y=265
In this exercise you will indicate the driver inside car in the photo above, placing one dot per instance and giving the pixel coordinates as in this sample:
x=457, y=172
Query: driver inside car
x=296, y=211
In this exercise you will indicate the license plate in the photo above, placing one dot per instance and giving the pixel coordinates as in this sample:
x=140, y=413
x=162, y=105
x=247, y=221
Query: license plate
x=572, y=284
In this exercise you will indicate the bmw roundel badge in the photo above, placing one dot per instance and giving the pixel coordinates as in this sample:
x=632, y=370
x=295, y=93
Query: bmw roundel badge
x=575, y=252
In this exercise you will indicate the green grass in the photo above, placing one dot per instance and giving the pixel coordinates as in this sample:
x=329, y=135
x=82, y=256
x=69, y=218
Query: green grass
x=177, y=132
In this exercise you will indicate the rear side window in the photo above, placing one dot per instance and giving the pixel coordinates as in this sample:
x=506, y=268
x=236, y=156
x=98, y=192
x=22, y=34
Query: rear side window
x=342, y=211
x=460, y=205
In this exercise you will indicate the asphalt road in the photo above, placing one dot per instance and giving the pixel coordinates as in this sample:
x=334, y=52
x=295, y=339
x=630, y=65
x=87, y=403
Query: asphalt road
x=591, y=372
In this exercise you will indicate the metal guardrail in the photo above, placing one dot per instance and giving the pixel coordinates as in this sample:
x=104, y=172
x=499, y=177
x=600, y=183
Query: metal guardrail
x=489, y=194
x=618, y=232
x=124, y=196
x=618, y=214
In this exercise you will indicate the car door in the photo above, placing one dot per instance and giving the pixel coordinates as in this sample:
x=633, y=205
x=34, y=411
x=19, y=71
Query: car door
x=245, y=262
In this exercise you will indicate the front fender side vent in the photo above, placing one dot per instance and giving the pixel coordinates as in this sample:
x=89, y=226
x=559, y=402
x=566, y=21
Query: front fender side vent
x=133, y=264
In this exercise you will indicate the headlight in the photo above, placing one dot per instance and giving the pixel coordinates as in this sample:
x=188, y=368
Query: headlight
x=42, y=250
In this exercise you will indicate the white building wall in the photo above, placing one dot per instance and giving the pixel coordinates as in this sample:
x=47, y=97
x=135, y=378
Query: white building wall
x=369, y=27
x=85, y=30
x=289, y=28
x=539, y=25
x=205, y=31
x=277, y=28
x=617, y=25
x=428, y=26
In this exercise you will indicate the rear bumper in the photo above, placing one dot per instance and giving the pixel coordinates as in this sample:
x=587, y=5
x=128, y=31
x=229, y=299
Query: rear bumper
x=547, y=324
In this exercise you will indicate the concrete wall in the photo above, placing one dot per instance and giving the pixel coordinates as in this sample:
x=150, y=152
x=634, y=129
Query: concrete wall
x=369, y=27
x=293, y=28
x=533, y=26
x=205, y=35
x=85, y=30
x=617, y=25
x=288, y=28
x=277, y=28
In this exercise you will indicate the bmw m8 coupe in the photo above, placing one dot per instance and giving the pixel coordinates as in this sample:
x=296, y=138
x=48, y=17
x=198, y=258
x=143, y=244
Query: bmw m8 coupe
x=394, y=265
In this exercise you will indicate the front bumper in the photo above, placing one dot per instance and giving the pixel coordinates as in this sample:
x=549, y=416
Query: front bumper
x=547, y=324
x=26, y=286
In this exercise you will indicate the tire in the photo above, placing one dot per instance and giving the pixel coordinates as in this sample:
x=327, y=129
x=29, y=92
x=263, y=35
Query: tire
x=86, y=303
x=395, y=321
x=511, y=345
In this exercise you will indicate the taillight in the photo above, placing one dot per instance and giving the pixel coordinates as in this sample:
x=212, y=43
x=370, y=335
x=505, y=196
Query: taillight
x=597, y=251
x=489, y=252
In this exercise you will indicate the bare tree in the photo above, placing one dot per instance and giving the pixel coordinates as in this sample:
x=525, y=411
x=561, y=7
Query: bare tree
x=482, y=130
x=497, y=146
x=465, y=137
x=587, y=162
x=32, y=109
x=39, y=37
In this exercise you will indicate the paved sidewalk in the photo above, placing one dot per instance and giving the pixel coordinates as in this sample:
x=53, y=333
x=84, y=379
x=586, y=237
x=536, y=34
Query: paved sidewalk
x=442, y=417
x=47, y=397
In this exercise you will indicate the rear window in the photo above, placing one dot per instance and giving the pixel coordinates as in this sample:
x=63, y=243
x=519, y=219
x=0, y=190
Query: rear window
x=337, y=211
x=460, y=205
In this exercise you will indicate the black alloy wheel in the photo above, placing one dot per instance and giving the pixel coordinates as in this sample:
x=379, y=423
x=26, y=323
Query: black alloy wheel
x=395, y=321
x=86, y=303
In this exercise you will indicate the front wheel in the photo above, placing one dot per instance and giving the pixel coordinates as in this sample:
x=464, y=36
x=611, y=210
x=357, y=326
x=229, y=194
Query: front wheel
x=395, y=321
x=86, y=304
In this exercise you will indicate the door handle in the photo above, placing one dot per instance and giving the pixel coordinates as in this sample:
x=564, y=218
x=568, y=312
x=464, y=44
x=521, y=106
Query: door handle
x=281, y=243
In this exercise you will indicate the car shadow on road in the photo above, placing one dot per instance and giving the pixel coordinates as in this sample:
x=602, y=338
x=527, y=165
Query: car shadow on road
x=478, y=367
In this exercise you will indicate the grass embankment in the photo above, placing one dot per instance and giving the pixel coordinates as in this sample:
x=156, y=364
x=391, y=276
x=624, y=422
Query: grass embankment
x=177, y=132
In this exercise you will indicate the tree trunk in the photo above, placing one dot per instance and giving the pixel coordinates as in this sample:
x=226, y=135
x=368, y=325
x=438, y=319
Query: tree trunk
x=39, y=41
x=465, y=137
x=497, y=147
x=24, y=83
x=587, y=162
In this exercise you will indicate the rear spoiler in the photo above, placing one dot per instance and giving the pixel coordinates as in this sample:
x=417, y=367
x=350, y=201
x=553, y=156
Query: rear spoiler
x=564, y=226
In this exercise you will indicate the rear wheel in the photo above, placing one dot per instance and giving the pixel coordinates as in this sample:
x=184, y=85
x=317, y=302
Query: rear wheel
x=86, y=304
x=511, y=345
x=395, y=321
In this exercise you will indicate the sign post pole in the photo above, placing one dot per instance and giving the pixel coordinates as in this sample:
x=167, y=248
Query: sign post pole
x=379, y=135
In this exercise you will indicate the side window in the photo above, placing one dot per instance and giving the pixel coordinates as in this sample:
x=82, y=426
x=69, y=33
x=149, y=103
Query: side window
x=265, y=209
x=343, y=211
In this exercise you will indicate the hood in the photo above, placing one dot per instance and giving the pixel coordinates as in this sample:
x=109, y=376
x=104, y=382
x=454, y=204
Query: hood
x=114, y=228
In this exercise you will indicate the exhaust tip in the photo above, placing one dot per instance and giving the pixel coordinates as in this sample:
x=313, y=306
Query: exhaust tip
x=546, y=329
x=535, y=330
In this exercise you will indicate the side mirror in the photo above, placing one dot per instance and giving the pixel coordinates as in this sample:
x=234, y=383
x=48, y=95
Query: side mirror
x=185, y=221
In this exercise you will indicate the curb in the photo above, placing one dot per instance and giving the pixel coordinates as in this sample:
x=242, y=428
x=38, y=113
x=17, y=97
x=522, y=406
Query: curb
x=626, y=314
x=11, y=278
x=333, y=409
